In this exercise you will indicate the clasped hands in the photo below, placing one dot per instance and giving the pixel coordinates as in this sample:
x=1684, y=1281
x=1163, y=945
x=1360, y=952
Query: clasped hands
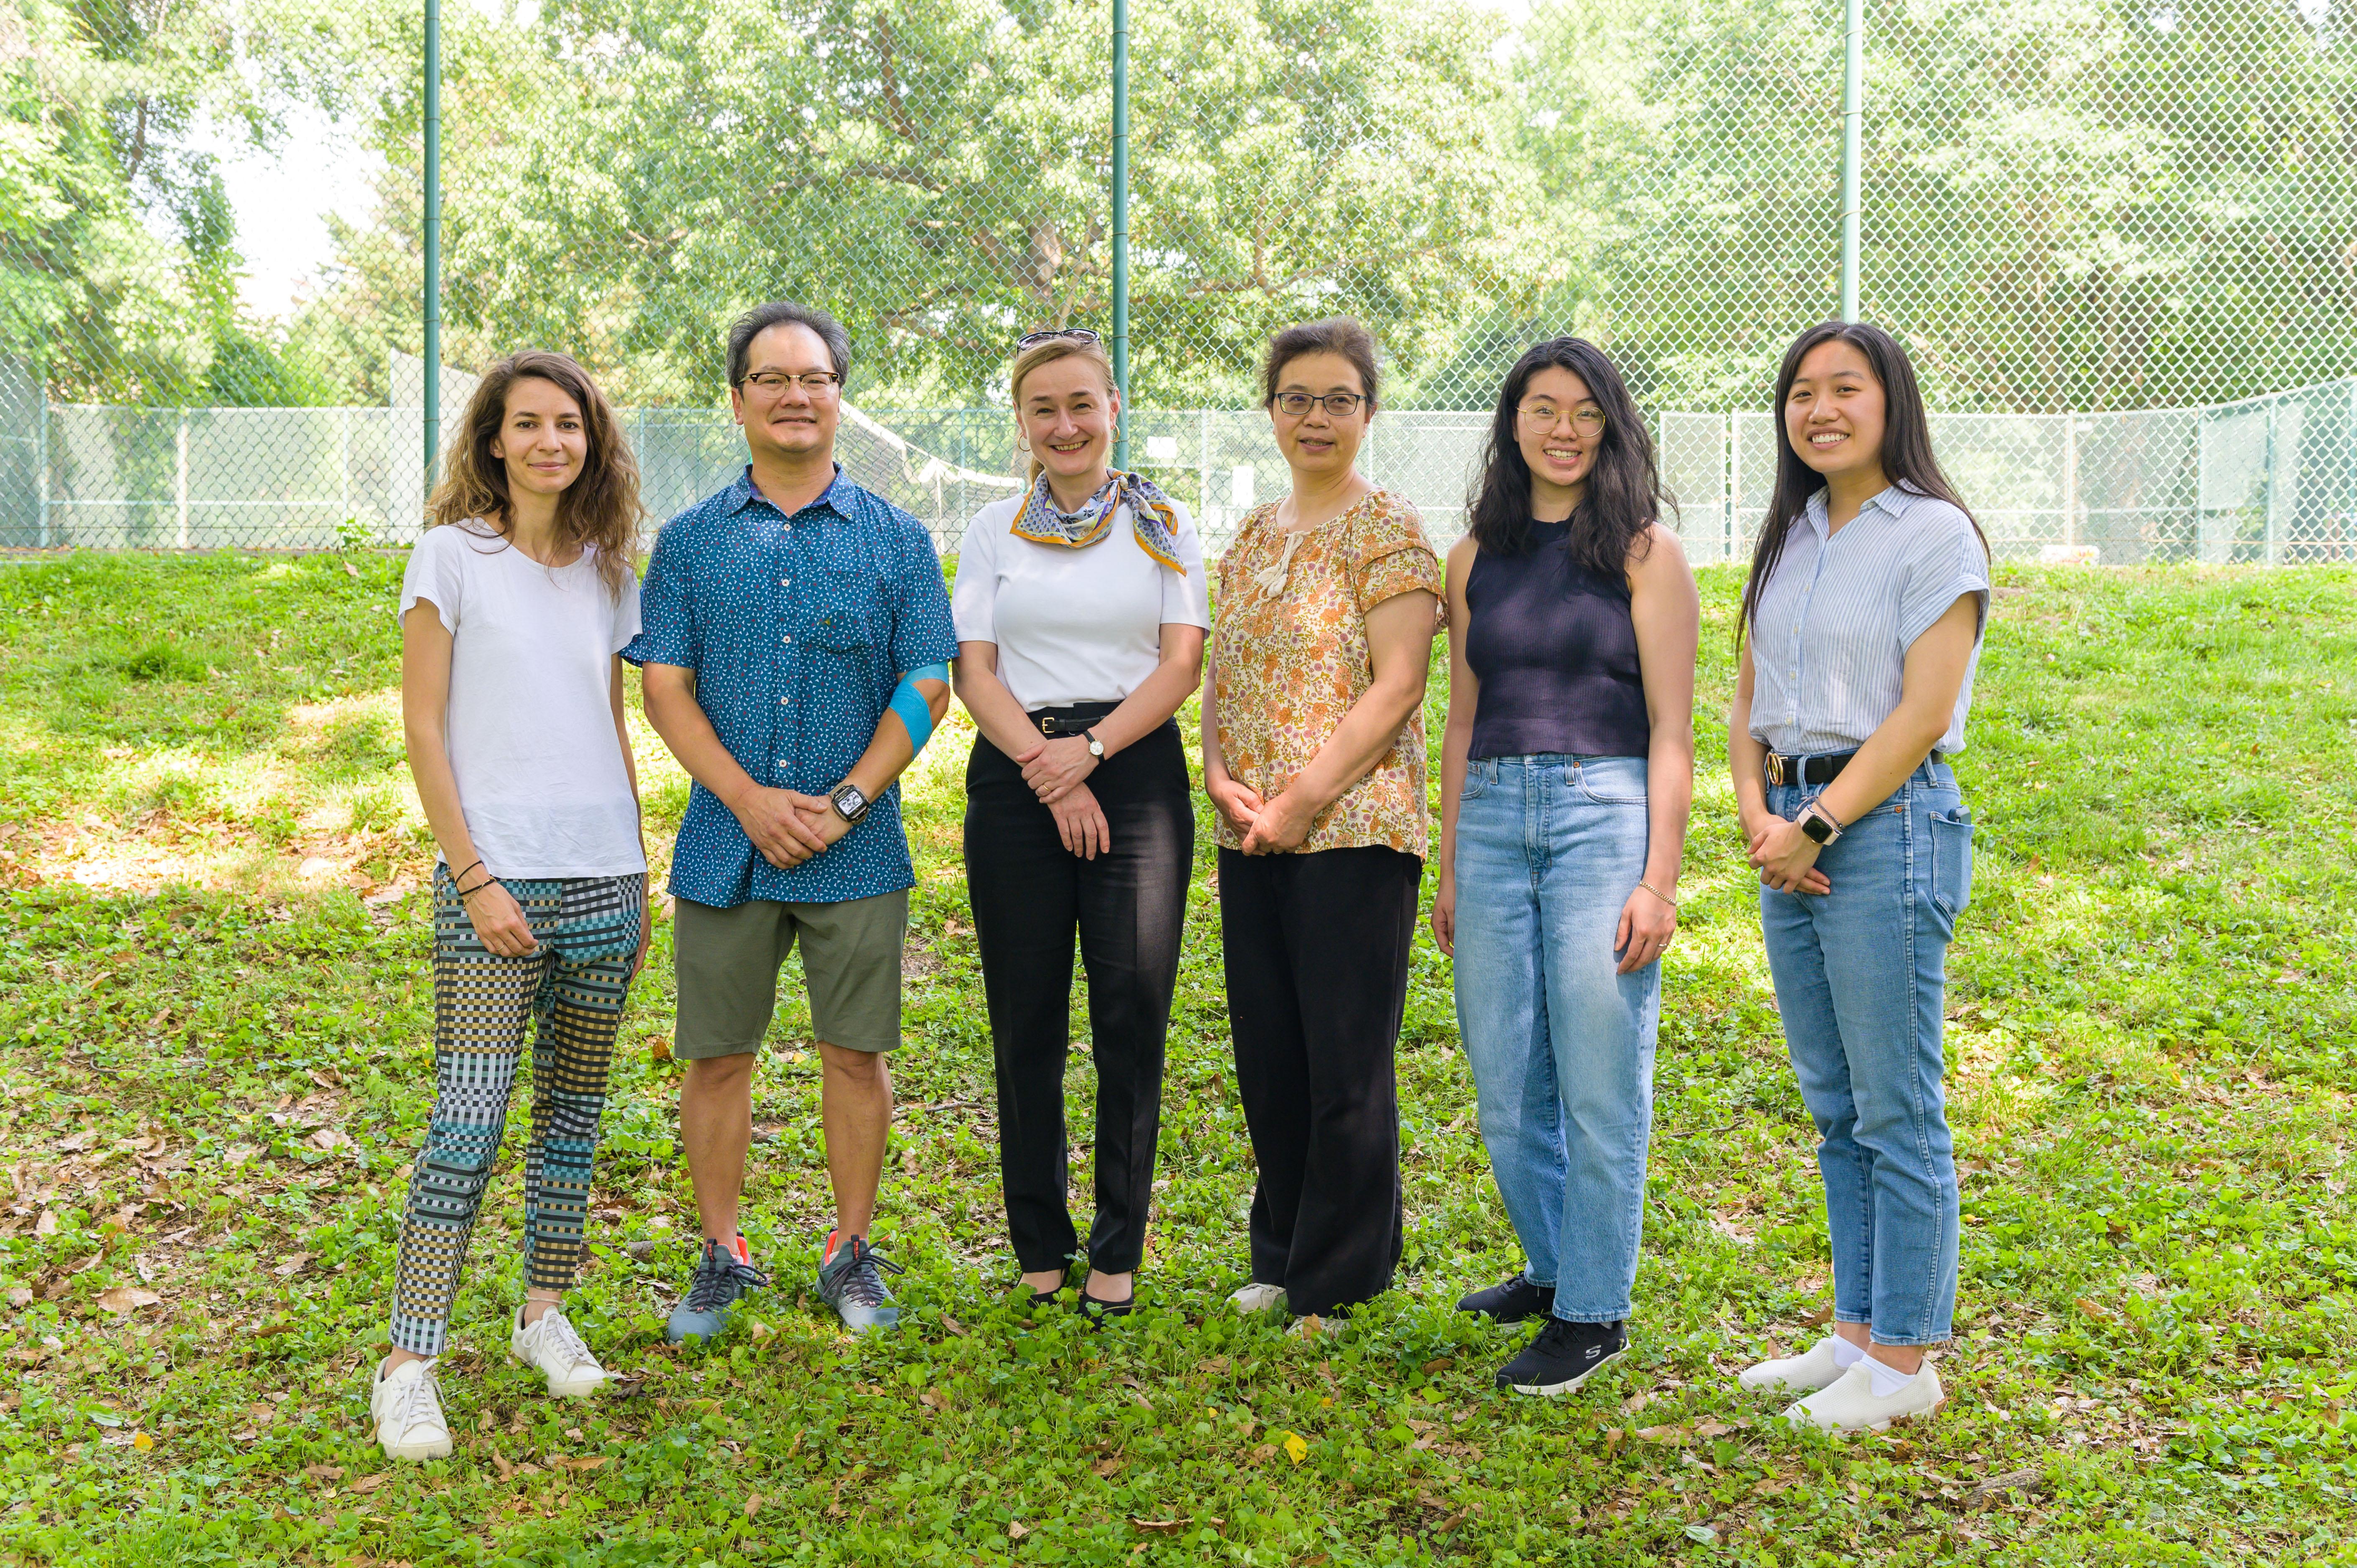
x=787, y=826
x=1058, y=772
x=1270, y=827
x=1786, y=857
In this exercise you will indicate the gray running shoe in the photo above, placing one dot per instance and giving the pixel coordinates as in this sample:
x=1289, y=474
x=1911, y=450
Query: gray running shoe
x=851, y=1280
x=723, y=1273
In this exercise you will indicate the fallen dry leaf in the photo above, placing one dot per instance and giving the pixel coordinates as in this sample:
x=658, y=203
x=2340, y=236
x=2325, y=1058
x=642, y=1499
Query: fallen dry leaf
x=330, y=1138
x=128, y=1298
x=365, y=1484
x=1159, y=1526
x=1296, y=1448
x=587, y=1462
x=752, y=1504
x=1438, y=1364
x=1665, y=1433
x=46, y=1225
x=2099, y=1313
x=1016, y=1529
x=953, y=1326
x=1712, y=1429
x=1819, y=1317
x=325, y=1472
x=291, y=1266
x=20, y=1296
x=499, y=1463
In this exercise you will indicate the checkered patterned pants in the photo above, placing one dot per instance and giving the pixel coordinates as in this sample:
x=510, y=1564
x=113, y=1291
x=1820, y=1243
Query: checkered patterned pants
x=568, y=996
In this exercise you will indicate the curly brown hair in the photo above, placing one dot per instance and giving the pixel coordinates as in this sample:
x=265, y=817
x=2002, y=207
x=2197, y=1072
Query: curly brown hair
x=600, y=510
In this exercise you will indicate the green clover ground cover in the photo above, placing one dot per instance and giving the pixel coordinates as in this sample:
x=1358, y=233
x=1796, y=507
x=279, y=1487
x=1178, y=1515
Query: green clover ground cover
x=215, y=1005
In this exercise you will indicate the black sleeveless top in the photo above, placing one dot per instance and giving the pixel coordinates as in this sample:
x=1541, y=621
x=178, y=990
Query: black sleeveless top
x=1555, y=653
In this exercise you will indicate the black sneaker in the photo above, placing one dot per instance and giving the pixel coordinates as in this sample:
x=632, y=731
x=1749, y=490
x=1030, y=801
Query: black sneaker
x=1563, y=1357
x=1514, y=1302
x=851, y=1280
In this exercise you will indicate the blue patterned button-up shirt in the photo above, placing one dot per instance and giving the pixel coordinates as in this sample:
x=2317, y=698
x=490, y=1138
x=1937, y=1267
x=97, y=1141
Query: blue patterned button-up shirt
x=797, y=630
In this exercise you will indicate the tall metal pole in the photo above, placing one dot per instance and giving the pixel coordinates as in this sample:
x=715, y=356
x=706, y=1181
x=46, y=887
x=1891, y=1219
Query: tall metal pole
x=1121, y=225
x=433, y=238
x=1852, y=138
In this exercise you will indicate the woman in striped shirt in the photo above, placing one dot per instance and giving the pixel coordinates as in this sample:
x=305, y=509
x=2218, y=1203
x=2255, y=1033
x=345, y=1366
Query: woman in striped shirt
x=1862, y=622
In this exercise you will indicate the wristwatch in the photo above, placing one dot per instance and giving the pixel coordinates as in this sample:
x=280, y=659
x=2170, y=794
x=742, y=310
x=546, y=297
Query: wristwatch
x=1819, y=825
x=848, y=803
x=1096, y=746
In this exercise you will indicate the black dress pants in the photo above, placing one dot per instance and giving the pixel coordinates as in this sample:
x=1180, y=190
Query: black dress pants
x=1030, y=894
x=1315, y=948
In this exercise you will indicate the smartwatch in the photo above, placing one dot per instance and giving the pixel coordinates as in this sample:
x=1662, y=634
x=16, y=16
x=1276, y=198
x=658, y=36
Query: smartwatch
x=1096, y=746
x=1819, y=825
x=848, y=803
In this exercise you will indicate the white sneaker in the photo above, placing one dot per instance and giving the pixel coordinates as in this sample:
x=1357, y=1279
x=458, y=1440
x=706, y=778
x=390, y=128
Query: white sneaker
x=406, y=1407
x=1257, y=1298
x=552, y=1346
x=1849, y=1406
x=1803, y=1374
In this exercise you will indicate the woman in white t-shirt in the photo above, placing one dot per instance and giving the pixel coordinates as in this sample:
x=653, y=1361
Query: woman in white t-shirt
x=514, y=608
x=1080, y=611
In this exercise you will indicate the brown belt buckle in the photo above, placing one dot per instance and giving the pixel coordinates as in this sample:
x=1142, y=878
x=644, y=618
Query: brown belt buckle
x=1776, y=769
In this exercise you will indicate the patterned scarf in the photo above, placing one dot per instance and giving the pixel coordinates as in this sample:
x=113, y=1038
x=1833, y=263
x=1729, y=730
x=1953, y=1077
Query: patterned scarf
x=1151, y=516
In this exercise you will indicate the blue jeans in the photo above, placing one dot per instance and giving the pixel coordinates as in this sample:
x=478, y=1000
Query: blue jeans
x=1859, y=980
x=1548, y=850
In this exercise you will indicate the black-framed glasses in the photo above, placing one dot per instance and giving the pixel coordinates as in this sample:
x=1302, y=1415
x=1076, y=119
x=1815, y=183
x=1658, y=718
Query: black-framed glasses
x=1338, y=406
x=771, y=383
x=1585, y=420
x=1055, y=334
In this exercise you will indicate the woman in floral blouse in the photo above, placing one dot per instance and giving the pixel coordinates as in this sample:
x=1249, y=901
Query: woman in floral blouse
x=1313, y=753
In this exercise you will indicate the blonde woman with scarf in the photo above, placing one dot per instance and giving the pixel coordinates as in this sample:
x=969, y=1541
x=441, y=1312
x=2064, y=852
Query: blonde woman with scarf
x=1081, y=609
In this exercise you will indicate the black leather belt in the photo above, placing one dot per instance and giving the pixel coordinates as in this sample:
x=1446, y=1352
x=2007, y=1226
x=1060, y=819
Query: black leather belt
x=1820, y=769
x=1078, y=719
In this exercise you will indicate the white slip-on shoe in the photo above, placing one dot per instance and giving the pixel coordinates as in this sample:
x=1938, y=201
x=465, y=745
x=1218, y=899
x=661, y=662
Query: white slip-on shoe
x=1254, y=1298
x=1813, y=1369
x=405, y=1407
x=552, y=1346
x=1848, y=1404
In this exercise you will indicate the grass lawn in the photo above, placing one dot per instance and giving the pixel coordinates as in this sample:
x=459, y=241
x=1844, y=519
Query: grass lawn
x=215, y=1007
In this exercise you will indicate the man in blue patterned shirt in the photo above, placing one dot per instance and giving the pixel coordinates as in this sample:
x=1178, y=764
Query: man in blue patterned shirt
x=796, y=634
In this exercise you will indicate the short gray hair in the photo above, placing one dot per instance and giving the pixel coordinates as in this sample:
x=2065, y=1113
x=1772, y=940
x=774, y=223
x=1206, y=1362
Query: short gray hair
x=786, y=312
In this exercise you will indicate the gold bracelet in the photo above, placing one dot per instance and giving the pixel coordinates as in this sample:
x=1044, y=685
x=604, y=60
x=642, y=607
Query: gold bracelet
x=1661, y=896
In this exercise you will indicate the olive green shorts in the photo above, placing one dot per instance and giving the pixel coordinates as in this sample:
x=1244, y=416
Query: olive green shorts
x=727, y=963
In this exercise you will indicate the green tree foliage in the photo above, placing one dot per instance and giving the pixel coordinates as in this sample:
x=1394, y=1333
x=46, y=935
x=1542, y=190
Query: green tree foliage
x=118, y=250
x=625, y=175
x=2070, y=204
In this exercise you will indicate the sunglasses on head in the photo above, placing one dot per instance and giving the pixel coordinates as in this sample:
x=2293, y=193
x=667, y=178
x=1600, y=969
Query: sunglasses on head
x=1052, y=334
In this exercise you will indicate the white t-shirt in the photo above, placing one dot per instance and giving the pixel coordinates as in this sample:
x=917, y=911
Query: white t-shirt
x=530, y=724
x=1073, y=626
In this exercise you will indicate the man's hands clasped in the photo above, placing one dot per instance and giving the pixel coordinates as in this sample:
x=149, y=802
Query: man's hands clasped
x=787, y=826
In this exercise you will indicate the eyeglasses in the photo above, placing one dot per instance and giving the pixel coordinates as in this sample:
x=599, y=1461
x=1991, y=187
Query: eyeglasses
x=1053, y=334
x=1338, y=406
x=772, y=384
x=1585, y=420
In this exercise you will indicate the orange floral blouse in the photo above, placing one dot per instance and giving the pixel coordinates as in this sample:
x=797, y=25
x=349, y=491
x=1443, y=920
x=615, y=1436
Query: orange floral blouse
x=1292, y=661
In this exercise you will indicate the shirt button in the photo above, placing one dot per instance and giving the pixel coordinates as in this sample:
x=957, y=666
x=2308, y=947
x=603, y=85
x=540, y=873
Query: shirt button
x=784, y=582
x=783, y=700
x=785, y=640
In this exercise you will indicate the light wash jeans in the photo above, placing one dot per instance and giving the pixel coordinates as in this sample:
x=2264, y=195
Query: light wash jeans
x=1860, y=980
x=1548, y=850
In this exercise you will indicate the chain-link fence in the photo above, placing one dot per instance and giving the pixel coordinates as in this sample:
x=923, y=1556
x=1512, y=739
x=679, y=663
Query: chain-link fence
x=2120, y=236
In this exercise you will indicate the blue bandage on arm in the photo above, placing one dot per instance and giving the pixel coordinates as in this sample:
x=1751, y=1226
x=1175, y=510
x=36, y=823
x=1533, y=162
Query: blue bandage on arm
x=916, y=713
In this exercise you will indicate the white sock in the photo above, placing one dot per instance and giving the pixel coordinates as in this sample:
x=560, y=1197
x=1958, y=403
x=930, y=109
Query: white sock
x=1888, y=1379
x=1846, y=1355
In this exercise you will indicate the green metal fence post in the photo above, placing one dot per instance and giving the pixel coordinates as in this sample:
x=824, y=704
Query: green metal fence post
x=1853, y=137
x=433, y=344
x=1121, y=226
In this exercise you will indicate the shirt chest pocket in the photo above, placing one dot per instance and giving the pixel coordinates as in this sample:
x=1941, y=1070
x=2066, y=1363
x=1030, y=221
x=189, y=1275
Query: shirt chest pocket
x=845, y=601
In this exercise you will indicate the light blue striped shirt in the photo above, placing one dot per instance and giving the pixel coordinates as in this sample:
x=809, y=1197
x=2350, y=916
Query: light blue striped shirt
x=1840, y=611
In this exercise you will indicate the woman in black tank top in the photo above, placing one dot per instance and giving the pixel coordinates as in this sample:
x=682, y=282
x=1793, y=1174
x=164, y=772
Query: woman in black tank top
x=1567, y=771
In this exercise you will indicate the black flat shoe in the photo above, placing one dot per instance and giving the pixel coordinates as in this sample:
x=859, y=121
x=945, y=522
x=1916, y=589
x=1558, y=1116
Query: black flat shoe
x=1096, y=1309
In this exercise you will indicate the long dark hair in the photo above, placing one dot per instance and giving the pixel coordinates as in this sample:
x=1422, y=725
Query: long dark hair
x=1907, y=459
x=1622, y=496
